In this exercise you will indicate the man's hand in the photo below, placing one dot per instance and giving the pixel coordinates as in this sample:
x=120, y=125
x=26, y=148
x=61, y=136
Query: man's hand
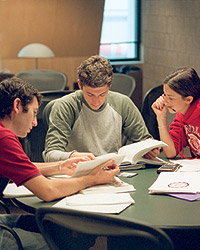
x=68, y=166
x=153, y=153
x=105, y=172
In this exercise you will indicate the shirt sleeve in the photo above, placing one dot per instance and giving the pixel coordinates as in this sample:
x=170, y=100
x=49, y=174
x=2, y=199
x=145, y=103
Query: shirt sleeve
x=62, y=118
x=14, y=163
x=56, y=155
x=177, y=134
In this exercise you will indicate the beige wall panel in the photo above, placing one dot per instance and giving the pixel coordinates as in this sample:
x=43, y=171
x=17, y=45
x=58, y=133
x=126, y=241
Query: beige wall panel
x=68, y=65
x=71, y=28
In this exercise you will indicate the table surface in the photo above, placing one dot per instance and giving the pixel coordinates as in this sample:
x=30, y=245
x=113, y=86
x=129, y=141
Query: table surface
x=158, y=210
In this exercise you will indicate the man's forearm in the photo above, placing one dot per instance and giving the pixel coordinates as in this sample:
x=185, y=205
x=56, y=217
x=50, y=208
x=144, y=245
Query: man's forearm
x=49, y=168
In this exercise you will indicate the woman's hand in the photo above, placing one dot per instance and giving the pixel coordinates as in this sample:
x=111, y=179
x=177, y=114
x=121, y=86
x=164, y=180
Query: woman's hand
x=159, y=107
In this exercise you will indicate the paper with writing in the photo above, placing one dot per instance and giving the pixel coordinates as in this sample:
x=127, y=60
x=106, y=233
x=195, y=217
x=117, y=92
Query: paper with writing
x=176, y=182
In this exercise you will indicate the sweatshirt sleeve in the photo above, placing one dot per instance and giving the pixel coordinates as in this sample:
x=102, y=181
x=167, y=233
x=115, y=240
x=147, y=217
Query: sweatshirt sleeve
x=61, y=120
x=177, y=133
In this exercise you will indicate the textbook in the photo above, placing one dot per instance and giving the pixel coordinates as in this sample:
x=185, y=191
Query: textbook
x=134, y=153
x=131, y=154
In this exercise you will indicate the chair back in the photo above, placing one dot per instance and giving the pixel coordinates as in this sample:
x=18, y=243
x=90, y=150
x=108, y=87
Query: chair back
x=14, y=235
x=148, y=114
x=72, y=229
x=123, y=84
x=46, y=113
x=34, y=143
x=44, y=79
x=3, y=184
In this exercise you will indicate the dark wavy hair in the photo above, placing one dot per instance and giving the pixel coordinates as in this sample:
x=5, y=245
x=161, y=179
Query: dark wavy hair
x=13, y=88
x=185, y=82
x=95, y=72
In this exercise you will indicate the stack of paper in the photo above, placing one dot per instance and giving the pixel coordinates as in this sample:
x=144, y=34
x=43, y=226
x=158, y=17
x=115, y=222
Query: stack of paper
x=188, y=165
x=116, y=186
x=99, y=203
x=12, y=191
x=176, y=182
x=192, y=165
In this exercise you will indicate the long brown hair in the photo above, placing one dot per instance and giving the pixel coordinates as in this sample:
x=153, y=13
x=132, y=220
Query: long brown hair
x=185, y=82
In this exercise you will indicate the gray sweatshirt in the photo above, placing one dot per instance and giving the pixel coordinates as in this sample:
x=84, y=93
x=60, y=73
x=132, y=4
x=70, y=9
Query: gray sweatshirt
x=73, y=125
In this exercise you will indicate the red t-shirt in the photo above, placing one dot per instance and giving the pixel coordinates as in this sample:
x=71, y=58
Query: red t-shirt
x=14, y=163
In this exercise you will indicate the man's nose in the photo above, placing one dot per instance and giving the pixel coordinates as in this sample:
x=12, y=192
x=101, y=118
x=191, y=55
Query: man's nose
x=96, y=100
x=35, y=122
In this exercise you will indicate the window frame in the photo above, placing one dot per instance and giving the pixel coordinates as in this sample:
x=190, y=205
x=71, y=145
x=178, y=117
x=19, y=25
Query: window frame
x=138, y=38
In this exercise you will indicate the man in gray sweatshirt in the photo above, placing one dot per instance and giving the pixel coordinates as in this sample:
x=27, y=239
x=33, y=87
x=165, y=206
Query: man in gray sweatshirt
x=93, y=120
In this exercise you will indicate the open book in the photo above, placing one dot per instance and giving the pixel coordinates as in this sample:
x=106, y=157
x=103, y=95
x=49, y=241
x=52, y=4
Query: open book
x=134, y=153
x=129, y=154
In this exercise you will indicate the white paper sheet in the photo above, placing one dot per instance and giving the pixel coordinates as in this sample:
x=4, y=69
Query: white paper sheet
x=99, y=203
x=84, y=168
x=192, y=165
x=12, y=191
x=176, y=182
x=116, y=186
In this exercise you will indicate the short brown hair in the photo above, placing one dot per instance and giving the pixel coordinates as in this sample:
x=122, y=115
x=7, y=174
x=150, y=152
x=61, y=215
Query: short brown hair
x=95, y=72
x=13, y=88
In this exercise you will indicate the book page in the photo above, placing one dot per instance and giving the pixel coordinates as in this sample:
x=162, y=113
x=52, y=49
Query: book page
x=84, y=168
x=134, y=152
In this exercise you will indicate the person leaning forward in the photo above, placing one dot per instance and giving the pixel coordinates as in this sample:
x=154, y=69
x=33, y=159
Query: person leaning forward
x=19, y=104
x=93, y=121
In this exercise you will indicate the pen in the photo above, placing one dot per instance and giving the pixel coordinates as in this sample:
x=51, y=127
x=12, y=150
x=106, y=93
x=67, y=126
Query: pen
x=109, y=168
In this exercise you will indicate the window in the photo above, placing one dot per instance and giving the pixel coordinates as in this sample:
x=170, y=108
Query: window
x=120, y=30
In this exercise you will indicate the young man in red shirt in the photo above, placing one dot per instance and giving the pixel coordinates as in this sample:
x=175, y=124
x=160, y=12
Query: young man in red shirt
x=19, y=104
